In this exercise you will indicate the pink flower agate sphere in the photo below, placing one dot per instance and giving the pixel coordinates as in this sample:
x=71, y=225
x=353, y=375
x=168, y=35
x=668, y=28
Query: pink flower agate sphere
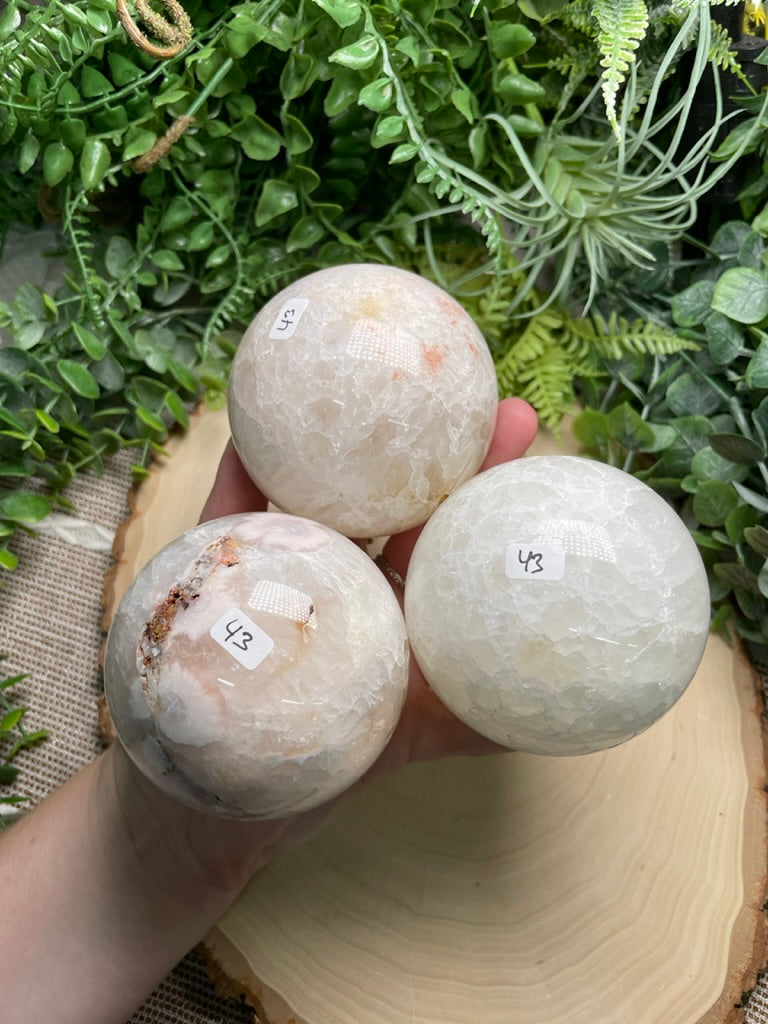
x=557, y=605
x=257, y=666
x=360, y=396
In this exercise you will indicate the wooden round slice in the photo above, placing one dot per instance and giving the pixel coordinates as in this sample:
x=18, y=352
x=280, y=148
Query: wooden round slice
x=624, y=886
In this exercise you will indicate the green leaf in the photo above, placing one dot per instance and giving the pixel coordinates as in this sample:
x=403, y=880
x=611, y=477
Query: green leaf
x=404, y=152
x=758, y=501
x=691, y=434
x=388, y=128
x=138, y=141
x=509, y=40
x=300, y=71
x=47, y=421
x=739, y=521
x=28, y=152
x=344, y=12
x=592, y=428
x=737, y=448
x=306, y=232
x=8, y=560
x=78, y=377
x=517, y=89
x=724, y=338
x=91, y=344
x=177, y=409
x=737, y=575
x=10, y=20
x=23, y=507
x=177, y=213
x=757, y=538
x=123, y=70
x=358, y=55
x=742, y=294
x=11, y=719
x=118, y=256
x=756, y=373
x=260, y=141
x=707, y=464
x=692, y=305
x=93, y=83
x=298, y=138
x=690, y=394
x=713, y=501
x=729, y=238
x=95, y=159
x=377, y=95
x=629, y=428
x=58, y=161
x=277, y=197
x=151, y=419
x=464, y=101
x=166, y=259
x=8, y=773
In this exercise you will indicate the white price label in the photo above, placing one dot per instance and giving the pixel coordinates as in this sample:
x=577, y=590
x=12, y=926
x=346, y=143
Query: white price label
x=535, y=561
x=287, y=320
x=242, y=638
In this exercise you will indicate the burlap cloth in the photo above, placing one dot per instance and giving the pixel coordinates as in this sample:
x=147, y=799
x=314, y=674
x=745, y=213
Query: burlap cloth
x=50, y=627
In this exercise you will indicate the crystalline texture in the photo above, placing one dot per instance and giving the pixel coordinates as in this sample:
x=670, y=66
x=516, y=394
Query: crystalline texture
x=547, y=661
x=361, y=396
x=257, y=666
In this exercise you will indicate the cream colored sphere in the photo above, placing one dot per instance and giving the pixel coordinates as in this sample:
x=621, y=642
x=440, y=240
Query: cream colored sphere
x=360, y=396
x=557, y=605
x=257, y=666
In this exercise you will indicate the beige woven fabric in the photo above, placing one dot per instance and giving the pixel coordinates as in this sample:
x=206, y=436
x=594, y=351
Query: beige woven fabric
x=50, y=627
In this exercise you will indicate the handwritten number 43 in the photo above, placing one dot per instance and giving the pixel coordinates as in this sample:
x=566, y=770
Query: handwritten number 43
x=241, y=642
x=532, y=558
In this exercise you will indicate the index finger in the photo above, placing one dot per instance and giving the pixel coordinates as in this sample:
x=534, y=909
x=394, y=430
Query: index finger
x=233, y=490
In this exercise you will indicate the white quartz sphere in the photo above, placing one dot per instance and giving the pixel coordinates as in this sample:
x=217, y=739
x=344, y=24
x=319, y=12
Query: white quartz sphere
x=257, y=666
x=360, y=396
x=557, y=605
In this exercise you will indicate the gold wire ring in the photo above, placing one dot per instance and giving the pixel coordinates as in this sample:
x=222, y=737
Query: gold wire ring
x=390, y=572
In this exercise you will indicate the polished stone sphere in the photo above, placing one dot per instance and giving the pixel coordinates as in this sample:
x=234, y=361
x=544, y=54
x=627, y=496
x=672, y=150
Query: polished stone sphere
x=257, y=666
x=557, y=605
x=360, y=396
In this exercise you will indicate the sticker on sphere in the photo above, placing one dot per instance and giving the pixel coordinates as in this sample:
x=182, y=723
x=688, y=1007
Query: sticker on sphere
x=242, y=638
x=288, y=319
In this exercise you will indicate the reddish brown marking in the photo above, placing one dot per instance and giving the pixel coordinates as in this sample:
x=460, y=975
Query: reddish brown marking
x=433, y=356
x=221, y=552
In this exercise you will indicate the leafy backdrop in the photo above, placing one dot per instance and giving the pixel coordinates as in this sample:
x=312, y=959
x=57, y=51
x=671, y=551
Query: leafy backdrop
x=589, y=178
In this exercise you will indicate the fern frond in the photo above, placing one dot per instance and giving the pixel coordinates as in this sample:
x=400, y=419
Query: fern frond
x=617, y=337
x=548, y=385
x=721, y=54
x=540, y=368
x=623, y=25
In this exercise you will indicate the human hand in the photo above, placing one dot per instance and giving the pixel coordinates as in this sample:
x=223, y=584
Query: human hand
x=233, y=850
x=132, y=877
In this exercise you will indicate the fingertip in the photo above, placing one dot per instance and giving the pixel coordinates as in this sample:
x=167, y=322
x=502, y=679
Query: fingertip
x=233, y=490
x=516, y=427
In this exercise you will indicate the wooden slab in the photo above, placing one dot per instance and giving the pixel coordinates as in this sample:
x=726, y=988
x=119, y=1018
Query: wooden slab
x=625, y=886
